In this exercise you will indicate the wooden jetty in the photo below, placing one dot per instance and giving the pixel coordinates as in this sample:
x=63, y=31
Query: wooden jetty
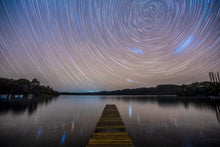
x=110, y=130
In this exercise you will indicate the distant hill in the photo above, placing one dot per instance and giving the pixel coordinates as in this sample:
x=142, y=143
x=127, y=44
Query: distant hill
x=159, y=90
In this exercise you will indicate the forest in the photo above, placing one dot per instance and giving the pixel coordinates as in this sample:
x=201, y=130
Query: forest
x=24, y=87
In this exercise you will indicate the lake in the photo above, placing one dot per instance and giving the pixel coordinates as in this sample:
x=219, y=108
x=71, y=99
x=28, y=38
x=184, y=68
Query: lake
x=149, y=120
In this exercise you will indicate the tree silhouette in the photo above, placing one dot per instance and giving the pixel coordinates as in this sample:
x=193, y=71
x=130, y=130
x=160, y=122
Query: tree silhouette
x=25, y=87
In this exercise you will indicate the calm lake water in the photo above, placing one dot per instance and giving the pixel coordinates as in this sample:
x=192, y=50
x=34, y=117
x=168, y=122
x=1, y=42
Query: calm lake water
x=150, y=121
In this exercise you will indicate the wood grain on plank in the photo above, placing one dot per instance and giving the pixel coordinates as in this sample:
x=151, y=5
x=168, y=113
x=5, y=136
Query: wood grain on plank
x=110, y=130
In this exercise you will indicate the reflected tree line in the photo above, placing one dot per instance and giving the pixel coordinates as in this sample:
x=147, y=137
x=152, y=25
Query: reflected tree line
x=21, y=95
x=18, y=106
x=169, y=101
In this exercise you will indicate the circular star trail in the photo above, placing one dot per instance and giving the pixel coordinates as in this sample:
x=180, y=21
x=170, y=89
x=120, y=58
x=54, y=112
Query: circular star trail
x=92, y=45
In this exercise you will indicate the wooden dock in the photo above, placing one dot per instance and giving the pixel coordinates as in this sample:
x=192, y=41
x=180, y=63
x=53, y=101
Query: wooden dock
x=110, y=130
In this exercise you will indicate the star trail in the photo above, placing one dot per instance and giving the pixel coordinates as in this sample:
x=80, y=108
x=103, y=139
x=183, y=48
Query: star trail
x=184, y=45
x=92, y=45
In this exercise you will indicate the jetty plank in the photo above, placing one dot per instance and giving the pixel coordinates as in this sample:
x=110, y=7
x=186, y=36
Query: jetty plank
x=110, y=130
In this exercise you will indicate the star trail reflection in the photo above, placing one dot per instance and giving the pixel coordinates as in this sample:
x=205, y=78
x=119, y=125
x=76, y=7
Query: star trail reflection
x=153, y=121
x=89, y=45
x=63, y=138
x=38, y=133
x=130, y=111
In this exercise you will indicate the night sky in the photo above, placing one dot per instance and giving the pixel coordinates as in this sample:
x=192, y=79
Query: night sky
x=93, y=45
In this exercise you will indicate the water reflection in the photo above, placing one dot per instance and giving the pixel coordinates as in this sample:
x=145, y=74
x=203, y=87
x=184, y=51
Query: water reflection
x=150, y=120
x=38, y=133
x=217, y=110
x=63, y=138
x=73, y=125
x=130, y=110
x=19, y=106
x=25, y=132
x=172, y=121
x=172, y=101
